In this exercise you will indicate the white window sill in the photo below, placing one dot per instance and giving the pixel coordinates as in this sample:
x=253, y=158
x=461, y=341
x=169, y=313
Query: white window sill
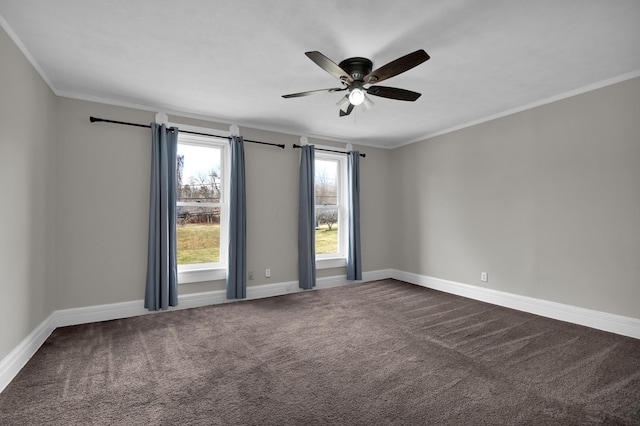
x=200, y=275
x=330, y=262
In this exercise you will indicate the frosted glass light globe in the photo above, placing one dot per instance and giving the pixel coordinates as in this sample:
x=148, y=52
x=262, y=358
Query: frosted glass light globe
x=356, y=97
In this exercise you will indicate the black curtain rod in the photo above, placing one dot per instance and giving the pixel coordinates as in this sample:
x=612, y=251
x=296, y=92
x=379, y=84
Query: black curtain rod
x=329, y=150
x=148, y=126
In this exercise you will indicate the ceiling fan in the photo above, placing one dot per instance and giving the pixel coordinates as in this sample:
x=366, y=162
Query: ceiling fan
x=355, y=74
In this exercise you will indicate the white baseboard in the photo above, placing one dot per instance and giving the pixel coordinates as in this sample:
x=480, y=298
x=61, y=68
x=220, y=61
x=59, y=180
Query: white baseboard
x=73, y=316
x=17, y=358
x=618, y=324
x=11, y=364
x=277, y=289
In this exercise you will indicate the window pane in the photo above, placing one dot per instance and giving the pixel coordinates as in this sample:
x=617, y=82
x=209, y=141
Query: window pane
x=199, y=175
x=199, y=180
x=326, y=193
x=326, y=230
x=198, y=233
x=326, y=182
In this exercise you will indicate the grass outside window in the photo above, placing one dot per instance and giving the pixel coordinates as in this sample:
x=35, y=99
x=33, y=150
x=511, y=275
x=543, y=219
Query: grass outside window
x=327, y=239
x=198, y=243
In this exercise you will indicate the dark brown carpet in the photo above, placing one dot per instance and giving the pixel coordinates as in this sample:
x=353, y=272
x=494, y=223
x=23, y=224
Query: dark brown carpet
x=383, y=352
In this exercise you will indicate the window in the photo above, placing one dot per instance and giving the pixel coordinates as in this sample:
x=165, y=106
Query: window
x=201, y=208
x=331, y=209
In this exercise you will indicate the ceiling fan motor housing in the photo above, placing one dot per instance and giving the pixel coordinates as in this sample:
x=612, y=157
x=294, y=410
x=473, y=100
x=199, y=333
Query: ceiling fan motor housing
x=357, y=67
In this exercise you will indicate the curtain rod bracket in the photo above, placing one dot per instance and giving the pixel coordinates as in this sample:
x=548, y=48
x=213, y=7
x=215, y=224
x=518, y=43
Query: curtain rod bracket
x=162, y=118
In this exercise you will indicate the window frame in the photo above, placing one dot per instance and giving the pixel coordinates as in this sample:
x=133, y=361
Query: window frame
x=200, y=272
x=339, y=259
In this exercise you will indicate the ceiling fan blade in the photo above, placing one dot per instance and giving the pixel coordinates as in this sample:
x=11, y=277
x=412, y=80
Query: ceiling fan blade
x=349, y=109
x=314, y=92
x=393, y=93
x=396, y=67
x=329, y=66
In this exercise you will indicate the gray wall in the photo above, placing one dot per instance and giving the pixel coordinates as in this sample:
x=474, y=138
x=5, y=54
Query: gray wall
x=547, y=201
x=102, y=206
x=27, y=212
x=102, y=195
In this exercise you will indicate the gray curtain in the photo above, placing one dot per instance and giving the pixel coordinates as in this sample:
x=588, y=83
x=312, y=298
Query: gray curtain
x=237, y=270
x=307, y=220
x=162, y=275
x=354, y=263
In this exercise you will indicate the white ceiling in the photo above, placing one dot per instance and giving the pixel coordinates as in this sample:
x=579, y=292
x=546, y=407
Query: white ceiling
x=231, y=60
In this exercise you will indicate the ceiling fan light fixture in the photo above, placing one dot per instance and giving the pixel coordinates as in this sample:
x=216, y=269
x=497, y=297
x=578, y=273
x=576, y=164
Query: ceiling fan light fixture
x=367, y=104
x=343, y=103
x=356, y=97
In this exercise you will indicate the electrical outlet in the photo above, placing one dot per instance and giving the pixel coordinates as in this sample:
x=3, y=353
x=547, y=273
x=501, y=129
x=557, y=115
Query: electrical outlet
x=267, y=273
x=484, y=277
x=250, y=275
